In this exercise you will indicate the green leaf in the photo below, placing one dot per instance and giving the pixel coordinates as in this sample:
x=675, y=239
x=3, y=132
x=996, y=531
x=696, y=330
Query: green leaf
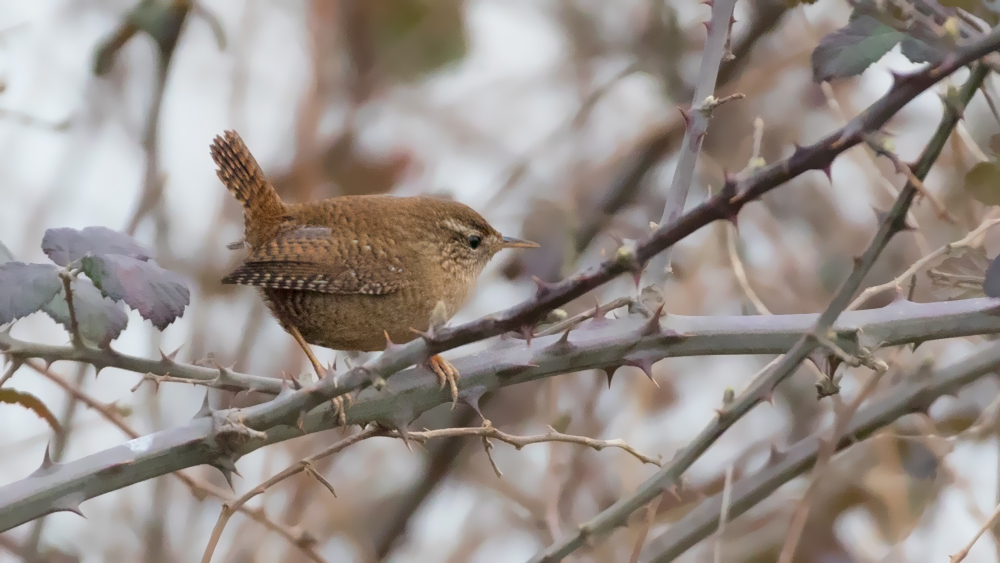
x=25, y=288
x=982, y=182
x=65, y=246
x=162, y=20
x=159, y=295
x=99, y=319
x=32, y=403
x=919, y=52
x=853, y=48
x=411, y=38
x=561, y=424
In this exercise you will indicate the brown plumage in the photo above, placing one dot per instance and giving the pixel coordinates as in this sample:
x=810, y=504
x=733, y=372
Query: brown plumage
x=346, y=271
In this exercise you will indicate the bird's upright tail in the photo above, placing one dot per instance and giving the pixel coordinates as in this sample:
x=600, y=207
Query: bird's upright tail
x=263, y=211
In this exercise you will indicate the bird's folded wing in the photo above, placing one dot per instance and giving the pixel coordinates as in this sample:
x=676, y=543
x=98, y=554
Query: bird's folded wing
x=312, y=259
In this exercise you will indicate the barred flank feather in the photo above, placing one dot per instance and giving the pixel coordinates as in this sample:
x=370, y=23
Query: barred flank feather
x=246, y=276
x=263, y=211
x=302, y=276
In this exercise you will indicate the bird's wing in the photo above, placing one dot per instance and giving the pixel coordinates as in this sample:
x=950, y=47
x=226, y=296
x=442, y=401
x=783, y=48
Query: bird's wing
x=313, y=259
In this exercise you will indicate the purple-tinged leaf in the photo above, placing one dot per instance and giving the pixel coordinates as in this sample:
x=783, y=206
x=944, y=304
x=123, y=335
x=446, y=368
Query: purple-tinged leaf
x=159, y=295
x=99, y=319
x=991, y=286
x=25, y=288
x=65, y=245
x=853, y=48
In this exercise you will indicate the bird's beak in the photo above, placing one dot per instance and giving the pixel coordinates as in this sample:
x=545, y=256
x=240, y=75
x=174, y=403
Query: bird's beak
x=511, y=242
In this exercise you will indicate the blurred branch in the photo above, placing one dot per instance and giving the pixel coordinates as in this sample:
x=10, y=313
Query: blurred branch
x=440, y=462
x=207, y=439
x=827, y=448
x=229, y=508
x=762, y=389
x=627, y=182
x=969, y=241
x=915, y=395
x=485, y=431
x=964, y=552
x=199, y=489
x=696, y=118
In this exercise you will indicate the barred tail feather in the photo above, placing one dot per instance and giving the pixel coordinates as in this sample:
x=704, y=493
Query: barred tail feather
x=263, y=211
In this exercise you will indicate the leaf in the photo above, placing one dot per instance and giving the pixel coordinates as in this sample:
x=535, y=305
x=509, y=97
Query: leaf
x=919, y=52
x=5, y=254
x=961, y=276
x=410, y=38
x=25, y=288
x=982, y=182
x=160, y=19
x=991, y=286
x=159, y=295
x=853, y=48
x=99, y=319
x=65, y=246
x=32, y=403
x=561, y=424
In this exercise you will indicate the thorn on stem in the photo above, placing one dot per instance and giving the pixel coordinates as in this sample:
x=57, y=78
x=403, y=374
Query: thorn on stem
x=561, y=346
x=646, y=365
x=69, y=503
x=471, y=397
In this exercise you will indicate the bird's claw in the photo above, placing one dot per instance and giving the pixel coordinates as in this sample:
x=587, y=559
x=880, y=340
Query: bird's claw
x=446, y=373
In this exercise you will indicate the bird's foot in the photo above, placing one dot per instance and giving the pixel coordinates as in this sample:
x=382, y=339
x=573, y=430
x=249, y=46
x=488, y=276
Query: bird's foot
x=339, y=410
x=446, y=373
x=340, y=405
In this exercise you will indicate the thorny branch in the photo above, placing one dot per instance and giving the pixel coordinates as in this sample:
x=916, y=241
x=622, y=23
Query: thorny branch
x=724, y=205
x=762, y=389
x=199, y=489
x=595, y=344
x=915, y=395
x=280, y=417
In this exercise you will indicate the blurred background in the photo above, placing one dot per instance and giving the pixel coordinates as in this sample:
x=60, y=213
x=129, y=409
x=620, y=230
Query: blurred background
x=557, y=120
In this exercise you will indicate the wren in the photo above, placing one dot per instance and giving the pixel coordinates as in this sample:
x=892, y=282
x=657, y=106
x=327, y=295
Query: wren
x=356, y=272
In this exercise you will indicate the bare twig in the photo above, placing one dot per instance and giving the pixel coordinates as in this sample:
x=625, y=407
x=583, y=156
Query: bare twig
x=199, y=489
x=971, y=240
x=914, y=396
x=727, y=491
x=74, y=326
x=9, y=372
x=696, y=119
x=644, y=530
x=504, y=363
x=489, y=431
x=761, y=389
x=229, y=508
x=827, y=447
x=962, y=553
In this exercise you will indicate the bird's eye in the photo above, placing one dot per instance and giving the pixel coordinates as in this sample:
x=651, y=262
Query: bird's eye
x=474, y=242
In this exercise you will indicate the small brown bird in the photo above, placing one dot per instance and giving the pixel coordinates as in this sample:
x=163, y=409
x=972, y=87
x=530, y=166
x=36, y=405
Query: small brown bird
x=350, y=272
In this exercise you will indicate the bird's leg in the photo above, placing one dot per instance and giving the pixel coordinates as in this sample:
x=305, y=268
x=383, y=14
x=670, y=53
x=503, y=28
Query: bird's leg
x=309, y=353
x=338, y=402
x=446, y=373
